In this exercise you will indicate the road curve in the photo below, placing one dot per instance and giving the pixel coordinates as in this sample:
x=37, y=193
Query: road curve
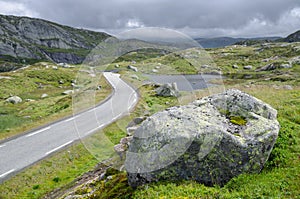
x=23, y=151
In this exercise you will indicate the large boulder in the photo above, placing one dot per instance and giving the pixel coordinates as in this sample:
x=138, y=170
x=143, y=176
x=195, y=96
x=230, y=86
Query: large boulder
x=210, y=140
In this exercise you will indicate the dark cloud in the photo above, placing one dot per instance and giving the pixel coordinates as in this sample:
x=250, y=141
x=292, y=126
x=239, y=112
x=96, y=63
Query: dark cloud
x=211, y=17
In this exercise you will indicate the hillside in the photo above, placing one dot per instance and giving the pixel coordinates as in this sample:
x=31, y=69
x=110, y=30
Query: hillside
x=26, y=40
x=295, y=37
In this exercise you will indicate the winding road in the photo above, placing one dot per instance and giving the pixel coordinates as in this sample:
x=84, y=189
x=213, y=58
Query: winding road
x=23, y=151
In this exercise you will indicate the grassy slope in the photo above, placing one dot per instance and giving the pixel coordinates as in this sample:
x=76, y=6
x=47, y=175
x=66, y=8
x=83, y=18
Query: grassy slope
x=31, y=83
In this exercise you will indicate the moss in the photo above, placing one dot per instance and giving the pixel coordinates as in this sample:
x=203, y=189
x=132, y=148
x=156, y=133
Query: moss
x=238, y=120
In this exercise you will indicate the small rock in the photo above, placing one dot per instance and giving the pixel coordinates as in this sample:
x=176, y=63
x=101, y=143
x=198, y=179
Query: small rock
x=29, y=100
x=167, y=90
x=99, y=87
x=61, y=82
x=68, y=92
x=126, y=140
x=117, y=66
x=288, y=87
x=5, y=77
x=154, y=71
x=157, y=67
x=235, y=66
x=44, y=95
x=134, y=77
x=132, y=68
x=285, y=66
x=248, y=67
x=130, y=130
x=54, y=67
x=14, y=100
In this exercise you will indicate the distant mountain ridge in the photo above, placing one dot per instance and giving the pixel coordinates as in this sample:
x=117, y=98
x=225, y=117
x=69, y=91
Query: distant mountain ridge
x=227, y=41
x=28, y=39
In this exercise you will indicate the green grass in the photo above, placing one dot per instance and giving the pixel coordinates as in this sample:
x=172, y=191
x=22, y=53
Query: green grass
x=62, y=168
x=30, y=84
x=56, y=171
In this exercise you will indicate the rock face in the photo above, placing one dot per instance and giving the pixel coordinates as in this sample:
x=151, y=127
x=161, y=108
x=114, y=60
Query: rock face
x=210, y=140
x=27, y=38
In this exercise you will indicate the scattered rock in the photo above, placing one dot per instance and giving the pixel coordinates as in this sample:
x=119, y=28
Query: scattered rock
x=132, y=68
x=130, y=130
x=117, y=66
x=248, y=67
x=295, y=60
x=210, y=141
x=235, y=66
x=136, y=121
x=286, y=66
x=5, y=77
x=168, y=90
x=288, y=87
x=134, y=77
x=61, y=82
x=44, y=95
x=157, y=67
x=30, y=100
x=55, y=67
x=216, y=72
x=68, y=92
x=14, y=100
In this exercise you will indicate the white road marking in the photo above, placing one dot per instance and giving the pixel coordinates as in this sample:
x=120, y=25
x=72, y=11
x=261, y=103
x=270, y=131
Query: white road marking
x=2, y=146
x=92, y=110
x=57, y=148
x=6, y=173
x=94, y=129
x=70, y=119
x=39, y=131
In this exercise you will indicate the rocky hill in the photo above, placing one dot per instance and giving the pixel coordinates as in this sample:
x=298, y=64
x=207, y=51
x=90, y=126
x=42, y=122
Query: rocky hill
x=26, y=40
x=295, y=37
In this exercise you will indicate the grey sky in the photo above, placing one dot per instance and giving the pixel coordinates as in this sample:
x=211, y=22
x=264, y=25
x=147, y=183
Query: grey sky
x=198, y=18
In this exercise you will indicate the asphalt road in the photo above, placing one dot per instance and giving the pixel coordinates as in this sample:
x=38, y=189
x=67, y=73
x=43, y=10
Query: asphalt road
x=27, y=149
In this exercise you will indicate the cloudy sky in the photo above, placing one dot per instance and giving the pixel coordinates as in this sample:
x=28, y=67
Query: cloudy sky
x=197, y=18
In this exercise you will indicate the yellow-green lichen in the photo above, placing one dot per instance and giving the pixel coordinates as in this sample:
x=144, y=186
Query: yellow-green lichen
x=238, y=120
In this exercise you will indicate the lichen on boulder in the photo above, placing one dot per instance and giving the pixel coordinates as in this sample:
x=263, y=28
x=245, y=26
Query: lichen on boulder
x=210, y=140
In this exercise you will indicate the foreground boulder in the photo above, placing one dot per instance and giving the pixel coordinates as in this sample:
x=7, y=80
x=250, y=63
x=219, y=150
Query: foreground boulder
x=210, y=140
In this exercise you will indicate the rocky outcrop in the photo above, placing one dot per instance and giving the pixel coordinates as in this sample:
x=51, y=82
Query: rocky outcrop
x=210, y=140
x=23, y=38
x=274, y=66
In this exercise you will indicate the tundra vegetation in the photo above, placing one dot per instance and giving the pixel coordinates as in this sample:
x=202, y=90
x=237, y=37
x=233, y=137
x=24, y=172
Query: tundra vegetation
x=278, y=86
